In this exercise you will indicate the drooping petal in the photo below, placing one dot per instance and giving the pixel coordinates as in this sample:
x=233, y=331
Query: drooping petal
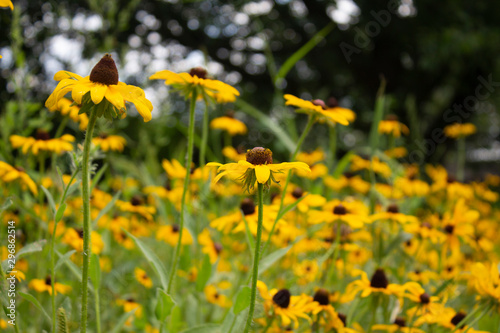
x=97, y=92
x=114, y=97
x=262, y=172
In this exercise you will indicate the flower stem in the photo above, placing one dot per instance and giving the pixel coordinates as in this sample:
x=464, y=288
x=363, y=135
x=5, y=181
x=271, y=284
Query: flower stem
x=189, y=160
x=332, y=148
x=52, y=252
x=204, y=136
x=86, y=216
x=310, y=122
x=255, y=269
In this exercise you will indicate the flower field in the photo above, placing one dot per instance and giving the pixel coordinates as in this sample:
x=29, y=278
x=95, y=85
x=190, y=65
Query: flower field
x=121, y=215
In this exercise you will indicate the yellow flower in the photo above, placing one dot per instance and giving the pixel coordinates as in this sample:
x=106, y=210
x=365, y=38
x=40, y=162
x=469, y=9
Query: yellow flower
x=214, y=297
x=136, y=206
x=74, y=238
x=258, y=167
x=142, y=277
x=110, y=142
x=377, y=284
x=129, y=305
x=9, y=173
x=397, y=327
x=289, y=308
x=229, y=124
x=233, y=154
x=392, y=126
x=101, y=85
x=196, y=81
x=486, y=280
x=359, y=163
x=319, y=109
x=209, y=247
x=43, y=142
x=65, y=107
x=170, y=234
x=6, y=3
x=312, y=157
x=457, y=130
x=306, y=271
x=40, y=286
x=396, y=152
x=352, y=213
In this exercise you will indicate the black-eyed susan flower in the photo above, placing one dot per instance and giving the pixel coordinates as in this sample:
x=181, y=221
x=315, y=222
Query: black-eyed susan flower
x=136, y=205
x=375, y=164
x=458, y=130
x=110, y=142
x=102, y=90
x=392, y=126
x=9, y=174
x=43, y=142
x=170, y=235
x=233, y=154
x=229, y=124
x=392, y=214
x=486, y=280
x=66, y=108
x=42, y=285
x=288, y=307
x=377, y=284
x=215, y=297
x=130, y=304
x=352, y=213
x=306, y=271
x=142, y=277
x=258, y=167
x=6, y=3
x=209, y=247
x=318, y=108
x=451, y=319
x=399, y=326
x=74, y=238
x=196, y=81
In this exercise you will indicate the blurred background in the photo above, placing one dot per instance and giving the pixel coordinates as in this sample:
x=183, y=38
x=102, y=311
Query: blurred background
x=439, y=62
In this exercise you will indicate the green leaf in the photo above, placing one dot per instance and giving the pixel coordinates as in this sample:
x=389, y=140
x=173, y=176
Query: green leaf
x=28, y=249
x=204, y=274
x=207, y=328
x=35, y=302
x=121, y=321
x=63, y=258
x=242, y=300
x=95, y=271
x=164, y=306
x=175, y=320
x=60, y=212
x=153, y=260
x=301, y=53
x=106, y=209
x=342, y=164
x=50, y=198
x=269, y=260
x=6, y=204
x=265, y=120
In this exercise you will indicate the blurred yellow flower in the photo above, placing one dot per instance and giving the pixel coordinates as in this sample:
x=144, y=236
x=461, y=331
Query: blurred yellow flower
x=9, y=174
x=457, y=130
x=229, y=124
x=110, y=142
x=43, y=142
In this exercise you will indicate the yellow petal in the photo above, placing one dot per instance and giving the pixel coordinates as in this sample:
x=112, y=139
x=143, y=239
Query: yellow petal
x=115, y=98
x=263, y=173
x=97, y=93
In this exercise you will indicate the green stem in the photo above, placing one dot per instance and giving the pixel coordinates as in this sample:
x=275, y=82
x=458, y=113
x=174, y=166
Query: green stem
x=97, y=311
x=255, y=269
x=461, y=159
x=189, y=160
x=308, y=127
x=52, y=252
x=332, y=148
x=204, y=136
x=375, y=302
x=86, y=216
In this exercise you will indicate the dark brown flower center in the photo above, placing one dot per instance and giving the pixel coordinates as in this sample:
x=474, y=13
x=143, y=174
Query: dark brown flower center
x=458, y=318
x=379, y=279
x=130, y=300
x=426, y=225
x=218, y=247
x=348, y=175
x=199, y=72
x=449, y=229
x=103, y=136
x=20, y=169
x=401, y=322
x=343, y=318
x=230, y=113
x=339, y=210
x=247, y=206
x=79, y=231
x=319, y=102
x=391, y=117
x=393, y=208
x=322, y=296
x=259, y=156
x=175, y=228
x=425, y=298
x=450, y=179
x=105, y=71
x=42, y=135
x=48, y=280
x=297, y=193
x=282, y=298
x=136, y=201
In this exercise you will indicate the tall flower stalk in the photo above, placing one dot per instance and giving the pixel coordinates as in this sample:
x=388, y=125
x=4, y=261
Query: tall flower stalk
x=101, y=95
x=189, y=160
